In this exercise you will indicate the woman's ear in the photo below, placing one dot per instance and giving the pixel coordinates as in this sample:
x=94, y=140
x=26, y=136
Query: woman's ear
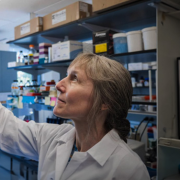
x=104, y=107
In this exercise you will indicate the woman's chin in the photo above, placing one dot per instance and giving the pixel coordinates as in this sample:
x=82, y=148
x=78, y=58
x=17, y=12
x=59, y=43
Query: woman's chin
x=57, y=113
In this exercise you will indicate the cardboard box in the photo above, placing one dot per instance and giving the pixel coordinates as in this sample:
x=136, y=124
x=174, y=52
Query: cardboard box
x=104, y=4
x=29, y=27
x=66, y=50
x=103, y=36
x=73, y=12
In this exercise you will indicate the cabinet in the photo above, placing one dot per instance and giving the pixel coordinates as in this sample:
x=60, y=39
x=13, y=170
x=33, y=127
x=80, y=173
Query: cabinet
x=6, y=76
x=133, y=16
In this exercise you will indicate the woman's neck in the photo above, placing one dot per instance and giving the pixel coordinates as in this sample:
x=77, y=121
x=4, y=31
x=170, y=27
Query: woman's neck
x=87, y=137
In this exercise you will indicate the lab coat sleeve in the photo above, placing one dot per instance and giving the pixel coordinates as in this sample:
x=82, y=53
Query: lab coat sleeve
x=132, y=168
x=18, y=137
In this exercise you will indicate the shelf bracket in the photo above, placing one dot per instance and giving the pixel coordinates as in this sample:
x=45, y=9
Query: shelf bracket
x=95, y=28
x=26, y=46
x=162, y=7
x=172, y=3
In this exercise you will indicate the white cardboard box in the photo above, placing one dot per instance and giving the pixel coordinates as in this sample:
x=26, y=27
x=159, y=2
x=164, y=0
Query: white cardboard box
x=14, y=64
x=135, y=66
x=66, y=50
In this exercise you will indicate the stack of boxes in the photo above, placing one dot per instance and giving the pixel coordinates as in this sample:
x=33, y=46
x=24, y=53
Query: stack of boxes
x=43, y=53
x=36, y=58
x=70, y=13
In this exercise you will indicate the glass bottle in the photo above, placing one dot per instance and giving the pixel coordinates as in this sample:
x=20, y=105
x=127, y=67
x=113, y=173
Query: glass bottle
x=26, y=60
x=32, y=51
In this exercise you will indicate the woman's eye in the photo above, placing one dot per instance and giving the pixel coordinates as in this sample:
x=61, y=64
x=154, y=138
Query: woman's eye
x=74, y=78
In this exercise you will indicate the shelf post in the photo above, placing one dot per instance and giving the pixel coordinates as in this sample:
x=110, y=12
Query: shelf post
x=150, y=85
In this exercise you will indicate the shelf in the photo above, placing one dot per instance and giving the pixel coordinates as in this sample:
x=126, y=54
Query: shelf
x=64, y=63
x=142, y=70
x=134, y=53
x=82, y=30
x=141, y=87
x=72, y=30
x=142, y=112
x=146, y=102
x=168, y=142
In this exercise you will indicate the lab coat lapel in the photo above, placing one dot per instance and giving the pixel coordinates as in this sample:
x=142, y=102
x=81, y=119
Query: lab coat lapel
x=63, y=153
x=77, y=159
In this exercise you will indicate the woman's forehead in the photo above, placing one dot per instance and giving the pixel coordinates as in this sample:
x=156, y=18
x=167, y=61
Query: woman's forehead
x=77, y=66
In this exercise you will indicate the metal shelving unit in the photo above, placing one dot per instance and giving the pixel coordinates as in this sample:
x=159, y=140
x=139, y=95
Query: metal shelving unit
x=134, y=16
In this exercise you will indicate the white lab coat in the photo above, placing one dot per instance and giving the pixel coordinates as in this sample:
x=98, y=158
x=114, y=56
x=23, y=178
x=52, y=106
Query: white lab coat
x=51, y=145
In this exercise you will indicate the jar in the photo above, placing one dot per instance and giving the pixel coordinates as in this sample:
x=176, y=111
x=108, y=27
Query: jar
x=15, y=88
x=26, y=60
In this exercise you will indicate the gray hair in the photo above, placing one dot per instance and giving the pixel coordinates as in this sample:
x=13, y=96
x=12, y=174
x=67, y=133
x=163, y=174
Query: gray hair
x=112, y=86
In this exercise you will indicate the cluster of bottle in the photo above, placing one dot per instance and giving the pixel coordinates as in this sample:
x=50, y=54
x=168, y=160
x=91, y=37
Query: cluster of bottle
x=20, y=88
x=27, y=59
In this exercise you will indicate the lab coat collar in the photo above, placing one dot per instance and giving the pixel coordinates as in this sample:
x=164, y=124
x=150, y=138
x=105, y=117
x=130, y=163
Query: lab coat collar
x=104, y=148
x=100, y=151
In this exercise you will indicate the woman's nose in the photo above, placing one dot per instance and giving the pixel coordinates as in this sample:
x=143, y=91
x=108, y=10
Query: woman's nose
x=61, y=85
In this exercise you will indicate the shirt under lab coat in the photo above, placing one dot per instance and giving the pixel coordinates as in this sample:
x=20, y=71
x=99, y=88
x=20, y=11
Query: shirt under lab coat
x=51, y=145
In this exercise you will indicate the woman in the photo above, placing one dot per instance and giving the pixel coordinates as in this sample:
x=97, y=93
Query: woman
x=96, y=95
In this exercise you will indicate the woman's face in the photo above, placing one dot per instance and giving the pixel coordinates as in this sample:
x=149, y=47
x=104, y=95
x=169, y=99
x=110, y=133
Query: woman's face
x=75, y=98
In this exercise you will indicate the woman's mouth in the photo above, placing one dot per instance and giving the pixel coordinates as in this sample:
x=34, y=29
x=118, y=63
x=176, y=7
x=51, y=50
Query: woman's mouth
x=60, y=100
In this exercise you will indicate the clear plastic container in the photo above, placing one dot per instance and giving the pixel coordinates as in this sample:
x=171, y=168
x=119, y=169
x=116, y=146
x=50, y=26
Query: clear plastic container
x=15, y=88
x=120, y=43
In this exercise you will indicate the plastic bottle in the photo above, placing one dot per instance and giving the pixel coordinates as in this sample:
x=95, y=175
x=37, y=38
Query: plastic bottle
x=15, y=88
x=26, y=60
x=32, y=51
x=21, y=83
x=28, y=83
x=146, y=82
x=21, y=57
x=27, y=87
x=142, y=80
x=34, y=82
